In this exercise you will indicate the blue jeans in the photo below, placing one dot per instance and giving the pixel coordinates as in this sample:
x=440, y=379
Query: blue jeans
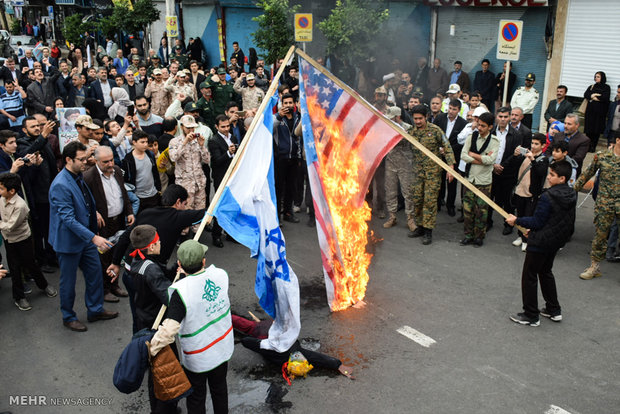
x=88, y=261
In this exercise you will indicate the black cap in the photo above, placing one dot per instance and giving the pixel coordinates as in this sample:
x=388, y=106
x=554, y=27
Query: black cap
x=530, y=76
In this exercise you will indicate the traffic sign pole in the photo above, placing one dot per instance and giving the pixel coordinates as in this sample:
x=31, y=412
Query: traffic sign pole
x=506, y=77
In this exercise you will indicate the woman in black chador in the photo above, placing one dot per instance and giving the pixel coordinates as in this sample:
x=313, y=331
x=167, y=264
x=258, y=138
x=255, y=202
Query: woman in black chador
x=596, y=110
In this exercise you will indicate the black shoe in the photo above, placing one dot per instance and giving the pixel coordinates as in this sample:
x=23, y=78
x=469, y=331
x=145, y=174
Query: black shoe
x=291, y=218
x=311, y=222
x=428, y=237
x=466, y=241
x=418, y=232
x=520, y=318
x=555, y=317
x=460, y=219
x=217, y=242
x=451, y=211
x=478, y=243
x=507, y=230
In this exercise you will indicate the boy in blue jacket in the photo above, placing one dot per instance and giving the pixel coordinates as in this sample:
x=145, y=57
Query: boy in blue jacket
x=550, y=227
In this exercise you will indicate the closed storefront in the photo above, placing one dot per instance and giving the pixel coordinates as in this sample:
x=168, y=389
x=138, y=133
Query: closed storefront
x=469, y=34
x=589, y=44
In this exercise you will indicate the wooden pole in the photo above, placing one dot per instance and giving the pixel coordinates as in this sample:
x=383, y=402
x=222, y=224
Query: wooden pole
x=405, y=135
x=233, y=165
x=506, y=77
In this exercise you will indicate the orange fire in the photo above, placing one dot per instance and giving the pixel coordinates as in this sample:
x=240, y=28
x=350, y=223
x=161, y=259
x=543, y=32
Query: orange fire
x=341, y=185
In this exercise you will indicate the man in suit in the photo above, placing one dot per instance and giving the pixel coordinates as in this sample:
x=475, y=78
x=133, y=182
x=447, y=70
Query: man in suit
x=459, y=77
x=451, y=124
x=27, y=61
x=42, y=93
x=8, y=72
x=101, y=88
x=46, y=56
x=73, y=234
x=506, y=165
x=559, y=107
x=222, y=149
x=578, y=142
x=195, y=77
x=133, y=88
x=113, y=207
x=516, y=116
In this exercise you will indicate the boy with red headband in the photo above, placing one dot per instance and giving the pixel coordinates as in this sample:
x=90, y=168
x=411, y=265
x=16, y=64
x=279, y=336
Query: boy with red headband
x=151, y=286
x=150, y=281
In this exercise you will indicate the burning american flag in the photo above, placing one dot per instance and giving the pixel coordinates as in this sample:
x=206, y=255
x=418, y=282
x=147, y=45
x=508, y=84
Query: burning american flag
x=344, y=141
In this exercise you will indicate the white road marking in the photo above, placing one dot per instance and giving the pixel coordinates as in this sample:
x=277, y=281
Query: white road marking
x=554, y=409
x=416, y=336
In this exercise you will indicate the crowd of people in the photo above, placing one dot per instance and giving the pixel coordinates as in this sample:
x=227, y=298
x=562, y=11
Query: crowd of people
x=158, y=130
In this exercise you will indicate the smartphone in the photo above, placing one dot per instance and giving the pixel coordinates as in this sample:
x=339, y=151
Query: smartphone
x=130, y=110
x=522, y=150
x=241, y=114
x=26, y=160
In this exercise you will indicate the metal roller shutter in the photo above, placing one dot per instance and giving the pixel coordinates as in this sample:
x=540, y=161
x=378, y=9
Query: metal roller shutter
x=590, y=44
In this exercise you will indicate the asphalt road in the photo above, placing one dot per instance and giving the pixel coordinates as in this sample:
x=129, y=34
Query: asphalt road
x=458, y=299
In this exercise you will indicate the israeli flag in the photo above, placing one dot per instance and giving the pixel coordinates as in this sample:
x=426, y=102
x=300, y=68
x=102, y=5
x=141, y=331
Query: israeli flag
x=247, y=211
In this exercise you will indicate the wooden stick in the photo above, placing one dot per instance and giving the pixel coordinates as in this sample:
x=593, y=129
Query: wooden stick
x=244, y=143
x=254, y=317
x=231, y=168
x=408, y=137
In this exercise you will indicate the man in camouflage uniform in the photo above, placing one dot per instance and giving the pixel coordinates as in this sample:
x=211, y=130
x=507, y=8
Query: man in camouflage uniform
x=378, y=179
x=251, y=95
x=399, y=170
x=223, y=92
x=607, y=202
x=188, y=151
x=428, y=181
x=181, y=59
x=206, y=106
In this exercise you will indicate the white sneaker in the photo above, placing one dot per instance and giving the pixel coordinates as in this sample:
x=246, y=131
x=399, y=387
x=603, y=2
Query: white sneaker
x=296, y=209
x=523, y=247
x=517, y=242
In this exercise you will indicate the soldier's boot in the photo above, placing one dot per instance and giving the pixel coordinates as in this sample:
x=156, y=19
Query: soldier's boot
x=428, y=236
x=411, y=223
x=418, y=232
x=593, y=271
x=391, y=221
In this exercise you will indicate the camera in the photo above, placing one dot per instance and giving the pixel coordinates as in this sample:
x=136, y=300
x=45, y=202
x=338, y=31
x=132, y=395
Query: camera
x=26, y=160
x=523, y=151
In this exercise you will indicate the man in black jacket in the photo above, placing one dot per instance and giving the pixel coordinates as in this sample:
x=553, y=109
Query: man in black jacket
x=551, y=226
x=516, y=116
x=451, y=124
x=287, y=156
x=222, y=150
x=37, y=180
x=506, y=166
x=559, y=107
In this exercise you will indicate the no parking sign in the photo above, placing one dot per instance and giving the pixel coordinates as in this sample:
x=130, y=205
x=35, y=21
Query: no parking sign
x=509, y=39
x=303, y=27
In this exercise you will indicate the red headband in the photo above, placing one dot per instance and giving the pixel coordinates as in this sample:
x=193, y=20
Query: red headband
x=138, y=252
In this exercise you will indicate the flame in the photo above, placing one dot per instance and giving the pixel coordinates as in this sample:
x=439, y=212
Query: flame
x=341, y=185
